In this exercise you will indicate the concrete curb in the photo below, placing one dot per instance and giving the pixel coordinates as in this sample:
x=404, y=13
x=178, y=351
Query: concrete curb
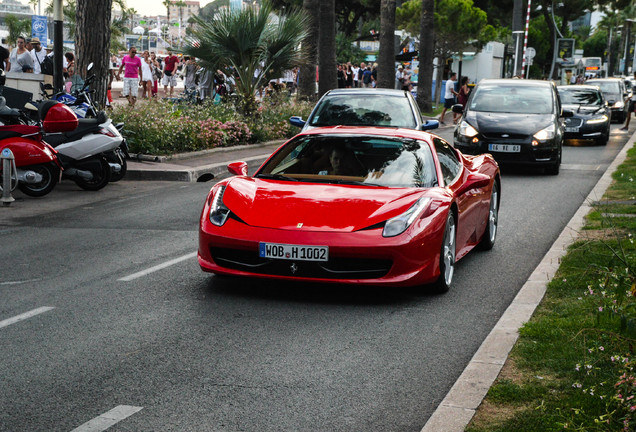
x=461, y=402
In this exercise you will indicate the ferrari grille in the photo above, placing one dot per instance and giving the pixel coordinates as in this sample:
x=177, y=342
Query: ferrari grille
x=335, y=268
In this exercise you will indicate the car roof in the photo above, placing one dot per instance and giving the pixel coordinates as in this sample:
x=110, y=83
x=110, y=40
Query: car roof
x=578, y=87
x=388, y=132
x=367, y=91
x=605, y=79
x=516, y=82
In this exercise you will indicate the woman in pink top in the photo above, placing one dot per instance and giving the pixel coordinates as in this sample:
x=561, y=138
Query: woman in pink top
x=132, y=72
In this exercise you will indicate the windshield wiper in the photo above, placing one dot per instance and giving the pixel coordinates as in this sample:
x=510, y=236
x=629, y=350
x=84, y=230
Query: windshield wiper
x=276, y=177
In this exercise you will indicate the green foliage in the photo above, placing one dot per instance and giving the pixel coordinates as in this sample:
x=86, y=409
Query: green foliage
x=252, y=42
x=595, y=45
x=346, y=50
x=458, y=24
x=161, y=128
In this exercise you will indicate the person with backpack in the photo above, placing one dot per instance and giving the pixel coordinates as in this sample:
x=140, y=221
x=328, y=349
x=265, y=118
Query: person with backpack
x=38, y=55
x=367, y=78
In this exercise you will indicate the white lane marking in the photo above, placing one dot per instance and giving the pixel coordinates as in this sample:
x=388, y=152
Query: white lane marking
x=157, y=267
x=25, y=315
x=108, y=419
x=18, y=282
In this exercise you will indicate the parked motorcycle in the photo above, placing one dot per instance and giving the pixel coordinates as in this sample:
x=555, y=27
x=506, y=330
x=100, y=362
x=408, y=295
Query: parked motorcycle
x=38, y=167
x=87, y=151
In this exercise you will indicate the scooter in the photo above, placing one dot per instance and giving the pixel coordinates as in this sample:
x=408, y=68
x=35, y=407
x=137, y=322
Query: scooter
x=79, y=101
x=37, y=165
x=83, y=152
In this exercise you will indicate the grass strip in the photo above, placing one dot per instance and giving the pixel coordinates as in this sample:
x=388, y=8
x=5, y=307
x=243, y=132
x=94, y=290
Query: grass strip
x=573, y=365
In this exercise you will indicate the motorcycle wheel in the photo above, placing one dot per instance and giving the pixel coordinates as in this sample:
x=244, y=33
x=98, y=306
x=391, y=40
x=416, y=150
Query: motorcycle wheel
x=100, y=179
x=50, y=175
x=117, y=156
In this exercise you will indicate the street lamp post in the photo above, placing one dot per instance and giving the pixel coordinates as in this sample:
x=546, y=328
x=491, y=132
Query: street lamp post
x=517, y=34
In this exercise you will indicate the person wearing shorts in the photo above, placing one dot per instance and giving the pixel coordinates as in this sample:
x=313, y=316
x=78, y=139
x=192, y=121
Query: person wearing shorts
x=169, y=72
x=132, y=72
x=449, y=96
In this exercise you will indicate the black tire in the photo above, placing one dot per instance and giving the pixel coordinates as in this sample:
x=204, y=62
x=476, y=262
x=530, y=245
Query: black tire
x=554, y=168
x=447, y=256
x=50, y=176
x=100, y=178
x=117, y=156
x=603, y=140
x=492, y=223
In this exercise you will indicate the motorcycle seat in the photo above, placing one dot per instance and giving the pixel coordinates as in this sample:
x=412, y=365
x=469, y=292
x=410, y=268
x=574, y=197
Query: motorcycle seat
x=85, y=126
x=13, y=131
x=6, y=111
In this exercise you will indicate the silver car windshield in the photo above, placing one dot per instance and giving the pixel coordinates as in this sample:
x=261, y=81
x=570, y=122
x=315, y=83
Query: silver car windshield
x=344, y=159
x=512, y=99
x=364, y=110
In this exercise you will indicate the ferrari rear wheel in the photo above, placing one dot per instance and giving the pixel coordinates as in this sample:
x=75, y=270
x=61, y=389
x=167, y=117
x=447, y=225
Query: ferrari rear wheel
x=447, y=256
x=490, y=235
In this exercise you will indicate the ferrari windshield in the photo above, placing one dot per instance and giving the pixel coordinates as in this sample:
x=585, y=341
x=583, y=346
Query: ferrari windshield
x=572, y=96
x=354, y=159
x=364, y=110
x=516, y=99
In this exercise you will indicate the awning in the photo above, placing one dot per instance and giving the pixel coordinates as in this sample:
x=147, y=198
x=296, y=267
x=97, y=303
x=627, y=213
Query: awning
x=407, y=56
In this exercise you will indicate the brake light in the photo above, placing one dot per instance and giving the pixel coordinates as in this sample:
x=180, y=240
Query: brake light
x=107, y=132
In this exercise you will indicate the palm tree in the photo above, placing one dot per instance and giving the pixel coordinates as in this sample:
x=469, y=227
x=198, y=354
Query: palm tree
x=426, y=54
x=180, y=4
x=328, y=78
x=254, y=44
x=307, y=79
x=386, y=57
x=17, y=27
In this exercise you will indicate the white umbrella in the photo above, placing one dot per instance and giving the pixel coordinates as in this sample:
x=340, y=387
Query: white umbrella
x=138, y=30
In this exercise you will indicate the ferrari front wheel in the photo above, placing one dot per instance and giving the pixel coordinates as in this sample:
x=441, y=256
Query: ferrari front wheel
x=447, y=256
x=488, y=240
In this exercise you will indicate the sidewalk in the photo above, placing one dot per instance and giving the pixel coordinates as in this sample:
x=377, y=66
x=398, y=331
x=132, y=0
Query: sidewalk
x=198, y=166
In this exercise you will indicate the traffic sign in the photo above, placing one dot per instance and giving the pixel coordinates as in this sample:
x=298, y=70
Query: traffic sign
x=530, y=52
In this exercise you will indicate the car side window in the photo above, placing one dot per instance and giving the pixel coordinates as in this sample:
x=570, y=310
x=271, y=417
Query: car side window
x=448, y=161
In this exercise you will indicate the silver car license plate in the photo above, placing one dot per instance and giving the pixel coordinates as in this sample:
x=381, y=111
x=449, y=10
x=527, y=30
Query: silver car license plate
x=571, y=129
x=293, y=252
x=505, y=148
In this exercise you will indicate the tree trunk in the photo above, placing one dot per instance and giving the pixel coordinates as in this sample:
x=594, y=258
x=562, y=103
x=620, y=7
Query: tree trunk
x=548, y=19
x=307, y=79
x=328, y=77
x=92, y=44
x=386, y=57
x=439, y=79
x=426, y=54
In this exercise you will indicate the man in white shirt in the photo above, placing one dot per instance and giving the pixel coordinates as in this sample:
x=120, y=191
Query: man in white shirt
x=449, y=95
x=355, y=69
x=38, y=55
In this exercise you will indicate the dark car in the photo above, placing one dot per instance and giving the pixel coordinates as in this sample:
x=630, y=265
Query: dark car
x=616, y=94
x=366, y=107
x=591, y=114
x=517, y=121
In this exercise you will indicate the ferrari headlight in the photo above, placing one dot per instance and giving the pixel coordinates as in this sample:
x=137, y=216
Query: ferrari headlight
x=399, y=224
x=601, y=119
x=545, y=134
x=467, y=130
x=218, y=211
x=619, y=104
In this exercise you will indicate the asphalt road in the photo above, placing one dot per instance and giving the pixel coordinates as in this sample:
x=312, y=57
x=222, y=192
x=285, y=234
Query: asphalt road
x=171, y=348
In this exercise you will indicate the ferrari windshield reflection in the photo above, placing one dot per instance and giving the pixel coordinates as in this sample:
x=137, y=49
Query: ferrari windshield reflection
x=364, y=110
x=343, y=159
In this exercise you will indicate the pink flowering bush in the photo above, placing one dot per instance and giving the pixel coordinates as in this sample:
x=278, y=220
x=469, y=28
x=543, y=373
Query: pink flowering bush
x=162, y=128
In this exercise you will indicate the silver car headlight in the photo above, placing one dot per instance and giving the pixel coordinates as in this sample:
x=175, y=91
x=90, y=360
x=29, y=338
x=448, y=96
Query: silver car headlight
x=545, y=134
x=218, y=211
x=399, y=224
x=596, y=120
x=619, y=104
x=467, y=130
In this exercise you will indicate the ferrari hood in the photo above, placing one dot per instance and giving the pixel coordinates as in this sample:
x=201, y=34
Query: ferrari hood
x=314, y=206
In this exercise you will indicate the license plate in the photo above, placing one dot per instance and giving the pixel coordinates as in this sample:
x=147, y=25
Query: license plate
x=293, y=252
x=571, y=129
x=505, y=148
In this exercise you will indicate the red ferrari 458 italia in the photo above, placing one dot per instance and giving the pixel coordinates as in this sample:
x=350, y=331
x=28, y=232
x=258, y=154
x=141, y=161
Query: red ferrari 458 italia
x=363, y=205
